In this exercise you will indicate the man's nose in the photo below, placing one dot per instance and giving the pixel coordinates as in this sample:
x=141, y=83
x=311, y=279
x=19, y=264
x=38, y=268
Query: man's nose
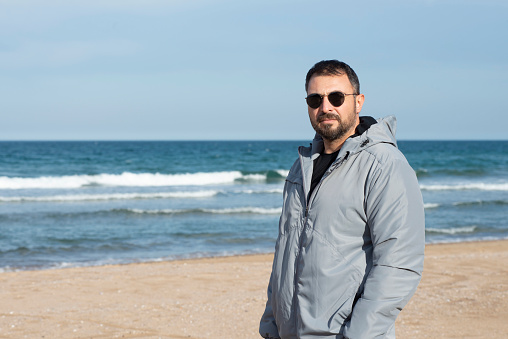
x=326, y=106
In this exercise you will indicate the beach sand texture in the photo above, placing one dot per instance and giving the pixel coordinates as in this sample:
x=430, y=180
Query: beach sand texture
x=463, y=294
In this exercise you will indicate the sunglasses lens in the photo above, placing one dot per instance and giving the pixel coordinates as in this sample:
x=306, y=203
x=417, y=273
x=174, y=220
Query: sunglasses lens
x=314, y=100
x=336, y=98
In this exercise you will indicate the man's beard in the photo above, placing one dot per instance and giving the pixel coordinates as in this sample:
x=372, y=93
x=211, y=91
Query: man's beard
x=329, y=133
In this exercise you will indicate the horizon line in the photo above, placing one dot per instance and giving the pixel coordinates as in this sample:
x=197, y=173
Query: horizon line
x=210, y=140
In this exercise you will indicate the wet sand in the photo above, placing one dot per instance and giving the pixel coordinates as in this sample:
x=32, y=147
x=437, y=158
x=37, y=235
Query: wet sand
x=463, y=294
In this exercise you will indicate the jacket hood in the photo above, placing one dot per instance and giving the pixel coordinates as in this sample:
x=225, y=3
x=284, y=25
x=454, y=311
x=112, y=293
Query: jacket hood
x=381, y=132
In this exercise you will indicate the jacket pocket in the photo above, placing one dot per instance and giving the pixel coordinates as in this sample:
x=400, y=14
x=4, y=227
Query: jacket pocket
x=329, y=285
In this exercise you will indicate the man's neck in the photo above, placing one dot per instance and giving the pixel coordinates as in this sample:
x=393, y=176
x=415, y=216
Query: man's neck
x=334, y=145
x=331, y=146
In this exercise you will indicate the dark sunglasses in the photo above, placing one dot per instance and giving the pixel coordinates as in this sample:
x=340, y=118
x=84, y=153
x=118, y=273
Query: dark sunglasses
x=336, y=99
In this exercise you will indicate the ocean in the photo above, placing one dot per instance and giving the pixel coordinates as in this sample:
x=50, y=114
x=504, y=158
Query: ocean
x=69, y=204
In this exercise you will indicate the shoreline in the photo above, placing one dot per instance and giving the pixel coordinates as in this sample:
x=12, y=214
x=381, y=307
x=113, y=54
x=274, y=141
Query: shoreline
x=64, y=266
x=463, y=293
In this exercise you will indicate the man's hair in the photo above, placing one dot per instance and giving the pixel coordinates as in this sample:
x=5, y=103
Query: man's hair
x=333, y=67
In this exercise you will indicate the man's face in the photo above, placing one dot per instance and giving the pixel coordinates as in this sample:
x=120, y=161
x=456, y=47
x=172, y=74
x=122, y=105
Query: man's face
x=331, y=122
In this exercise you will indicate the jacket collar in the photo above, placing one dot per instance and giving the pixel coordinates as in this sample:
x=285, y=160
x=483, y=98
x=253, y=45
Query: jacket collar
x=367, y=134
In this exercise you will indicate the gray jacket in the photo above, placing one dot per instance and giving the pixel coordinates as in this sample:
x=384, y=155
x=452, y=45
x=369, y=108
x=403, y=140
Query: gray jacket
x=348, y=259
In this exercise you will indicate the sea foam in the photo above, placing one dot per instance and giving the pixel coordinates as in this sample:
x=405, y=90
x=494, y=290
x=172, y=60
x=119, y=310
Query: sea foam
x=480, y=203
x=430, y=205
x=454, y=230
x=111, y=196
x=283, y=173
x=468, y=186
x=237, y=210
x=125, y=179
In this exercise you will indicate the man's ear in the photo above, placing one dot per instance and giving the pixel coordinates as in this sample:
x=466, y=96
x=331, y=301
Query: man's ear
x=360, y=99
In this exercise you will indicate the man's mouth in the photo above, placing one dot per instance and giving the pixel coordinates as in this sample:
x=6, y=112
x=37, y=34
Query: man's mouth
x=328, y=116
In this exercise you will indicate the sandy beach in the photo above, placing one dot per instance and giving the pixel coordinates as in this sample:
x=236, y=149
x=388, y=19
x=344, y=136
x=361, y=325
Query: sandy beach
x=463, y=294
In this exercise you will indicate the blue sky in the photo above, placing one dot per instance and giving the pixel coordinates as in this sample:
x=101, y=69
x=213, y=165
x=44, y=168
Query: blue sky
x=179, y=70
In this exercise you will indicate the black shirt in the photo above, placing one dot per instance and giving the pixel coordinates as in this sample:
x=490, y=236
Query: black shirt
x=321, y=164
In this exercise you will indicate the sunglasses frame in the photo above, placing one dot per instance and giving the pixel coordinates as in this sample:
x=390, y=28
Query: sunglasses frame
x=326, y=95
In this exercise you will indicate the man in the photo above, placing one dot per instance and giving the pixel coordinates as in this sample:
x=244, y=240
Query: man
x=349, y=254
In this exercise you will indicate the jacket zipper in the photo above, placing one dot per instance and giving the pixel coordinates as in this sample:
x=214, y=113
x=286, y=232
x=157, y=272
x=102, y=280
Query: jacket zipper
x=334, y=166
x=295, y=289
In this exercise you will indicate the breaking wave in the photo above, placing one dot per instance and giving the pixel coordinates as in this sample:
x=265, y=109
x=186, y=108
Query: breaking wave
x=237, y=210
x=454, y=230
x=470, y=186
x=430, y=205
x=127, y=179
x=111, y=196
x=481, y=203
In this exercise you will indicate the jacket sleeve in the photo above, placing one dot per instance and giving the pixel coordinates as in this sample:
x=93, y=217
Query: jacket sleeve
x=395, y=216
x=267, y=325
